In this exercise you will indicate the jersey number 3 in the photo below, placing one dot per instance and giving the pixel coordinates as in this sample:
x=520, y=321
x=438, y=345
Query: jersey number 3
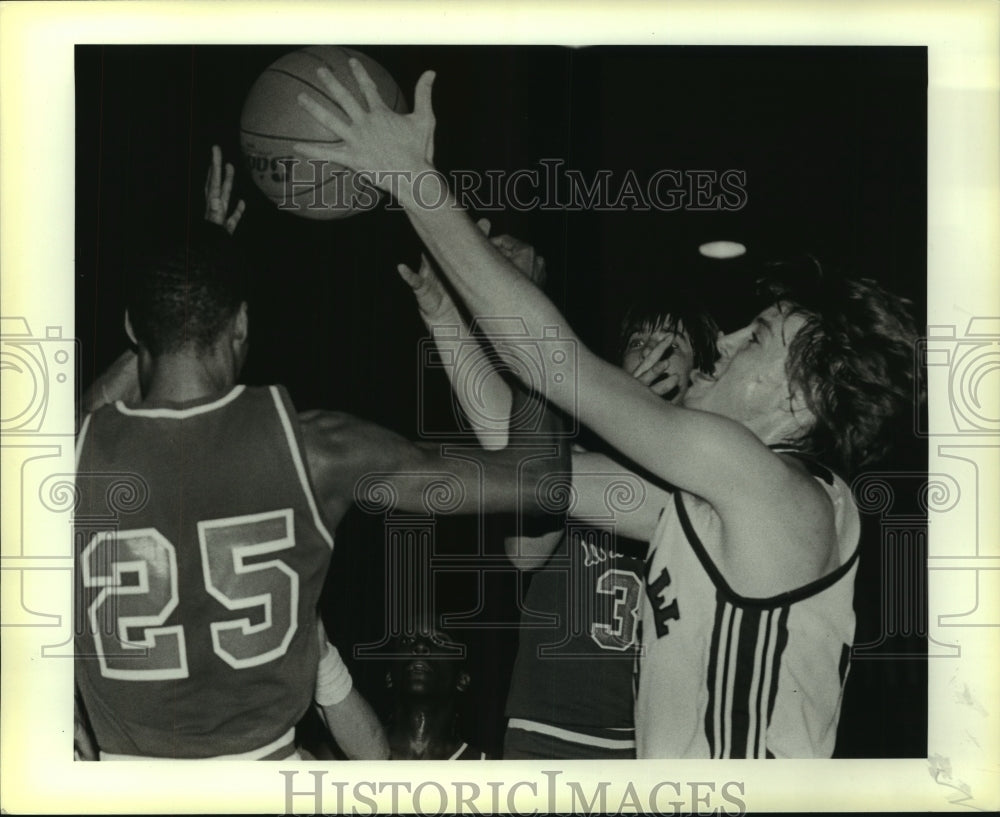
x=136, y=571
x=624, y=589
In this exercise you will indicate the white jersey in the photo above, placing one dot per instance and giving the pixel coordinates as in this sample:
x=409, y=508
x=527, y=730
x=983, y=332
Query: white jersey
x=725, y=676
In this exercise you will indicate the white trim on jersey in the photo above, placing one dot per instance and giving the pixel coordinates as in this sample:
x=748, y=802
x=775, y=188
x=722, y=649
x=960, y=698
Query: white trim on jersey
x=573, y=737
x=300, y=468
x=462, y=748
x=287, y=739
x=180, y=414
x=80, y=438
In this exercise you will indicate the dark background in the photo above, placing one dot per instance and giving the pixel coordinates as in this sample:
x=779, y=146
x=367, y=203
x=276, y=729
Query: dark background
x=833, y=143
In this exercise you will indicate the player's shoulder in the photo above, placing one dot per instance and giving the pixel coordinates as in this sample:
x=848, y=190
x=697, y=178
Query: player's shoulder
x=338, y=440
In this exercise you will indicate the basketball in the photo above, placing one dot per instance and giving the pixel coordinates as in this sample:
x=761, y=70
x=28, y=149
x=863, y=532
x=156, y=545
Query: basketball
x=272, y=122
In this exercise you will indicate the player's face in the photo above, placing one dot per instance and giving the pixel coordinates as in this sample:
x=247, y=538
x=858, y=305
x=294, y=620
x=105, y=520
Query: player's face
x=430, y=668
x=679, y=354
x=750, y=383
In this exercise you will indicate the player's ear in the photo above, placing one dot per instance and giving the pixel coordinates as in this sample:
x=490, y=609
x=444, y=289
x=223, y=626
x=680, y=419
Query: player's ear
x=129, y=330
x=388, y=680
x=463, y=681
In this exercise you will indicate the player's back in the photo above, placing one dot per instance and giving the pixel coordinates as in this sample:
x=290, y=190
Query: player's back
x=198, y=543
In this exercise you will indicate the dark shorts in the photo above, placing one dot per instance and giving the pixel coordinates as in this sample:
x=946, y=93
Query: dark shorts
x=524, y=744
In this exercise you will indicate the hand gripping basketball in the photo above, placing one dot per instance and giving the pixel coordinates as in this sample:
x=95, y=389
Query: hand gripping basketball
x=377, y=141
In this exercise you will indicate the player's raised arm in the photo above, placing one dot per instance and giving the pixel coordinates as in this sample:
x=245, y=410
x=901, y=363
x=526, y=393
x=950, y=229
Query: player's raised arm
x=700, y=452
x=484, y=397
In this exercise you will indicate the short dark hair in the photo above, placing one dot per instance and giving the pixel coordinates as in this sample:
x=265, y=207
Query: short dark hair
x=852, y=361
x=682, y=308
x=183, y=294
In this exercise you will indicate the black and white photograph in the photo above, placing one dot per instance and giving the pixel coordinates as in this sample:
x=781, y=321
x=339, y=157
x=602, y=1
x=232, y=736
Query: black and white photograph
x=534, y=402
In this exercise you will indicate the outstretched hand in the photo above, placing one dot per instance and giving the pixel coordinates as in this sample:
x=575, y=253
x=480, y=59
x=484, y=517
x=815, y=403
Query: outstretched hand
x=218, y=189
x=433, y=299
x=653, y=370
x=377, y=140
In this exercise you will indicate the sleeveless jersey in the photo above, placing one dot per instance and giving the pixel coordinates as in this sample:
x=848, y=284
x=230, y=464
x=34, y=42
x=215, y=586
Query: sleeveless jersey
x=200, y=556
x=574, y=673
x=725, y=676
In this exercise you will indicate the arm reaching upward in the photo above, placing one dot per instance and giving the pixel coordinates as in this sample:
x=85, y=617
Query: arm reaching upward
x=711, y=455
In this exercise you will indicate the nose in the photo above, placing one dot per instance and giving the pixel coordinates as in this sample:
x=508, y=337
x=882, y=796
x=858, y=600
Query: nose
x=728, y=344
x=420, y=647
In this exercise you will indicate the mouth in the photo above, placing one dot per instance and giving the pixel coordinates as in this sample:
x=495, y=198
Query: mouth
x=419, y=668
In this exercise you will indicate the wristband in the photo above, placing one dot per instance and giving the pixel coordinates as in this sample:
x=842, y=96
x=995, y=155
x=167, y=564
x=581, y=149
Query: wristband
x=333, y=679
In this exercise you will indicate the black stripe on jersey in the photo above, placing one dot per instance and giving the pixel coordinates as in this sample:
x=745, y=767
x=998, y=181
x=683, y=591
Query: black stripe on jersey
x=739, y=710
x=713, y=652
x=746, y=668
x=845, y=662
x=721, y=584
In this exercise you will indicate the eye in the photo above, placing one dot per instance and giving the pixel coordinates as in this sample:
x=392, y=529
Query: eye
x=636, y=342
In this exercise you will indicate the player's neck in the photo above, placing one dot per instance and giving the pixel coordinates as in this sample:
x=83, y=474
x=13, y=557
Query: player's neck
x=183, y=378
x=424, y=732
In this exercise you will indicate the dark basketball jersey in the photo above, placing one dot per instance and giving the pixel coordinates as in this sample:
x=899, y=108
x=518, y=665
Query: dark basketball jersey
x=726, y=676
x=200, y=556
x=573, y=676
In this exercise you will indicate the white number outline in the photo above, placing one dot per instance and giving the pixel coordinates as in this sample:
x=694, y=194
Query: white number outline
x=613, y=636
x=112, y=586
x=240, y=553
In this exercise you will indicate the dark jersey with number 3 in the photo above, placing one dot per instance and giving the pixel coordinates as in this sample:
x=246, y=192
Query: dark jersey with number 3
x=200, y=555
x=573, y=677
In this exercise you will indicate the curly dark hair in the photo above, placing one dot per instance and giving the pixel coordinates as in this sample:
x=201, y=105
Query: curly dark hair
x=182, y=295
x=680, y=308
x=853, y=361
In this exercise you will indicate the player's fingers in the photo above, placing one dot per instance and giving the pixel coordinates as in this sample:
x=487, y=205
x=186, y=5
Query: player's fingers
x=538, y=272
x=327, y=118
x=234, y=219
x=422, y=109
x=426, y=270
x=650, y=358
x=409, y=275
x=216, y=169
x=484, y=226
x=367, y=85
x=227, y=184
x=667, y=384
x=339, y=94
x=651, y=374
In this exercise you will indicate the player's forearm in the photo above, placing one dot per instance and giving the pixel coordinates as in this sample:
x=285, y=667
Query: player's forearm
x=483, y=395
x=355, y=727
x=488, y=283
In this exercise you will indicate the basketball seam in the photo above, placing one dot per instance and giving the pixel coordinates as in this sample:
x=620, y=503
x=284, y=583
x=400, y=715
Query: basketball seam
x=317, y=186
x=285, y=138
x=319, y=59
x=316, y=88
